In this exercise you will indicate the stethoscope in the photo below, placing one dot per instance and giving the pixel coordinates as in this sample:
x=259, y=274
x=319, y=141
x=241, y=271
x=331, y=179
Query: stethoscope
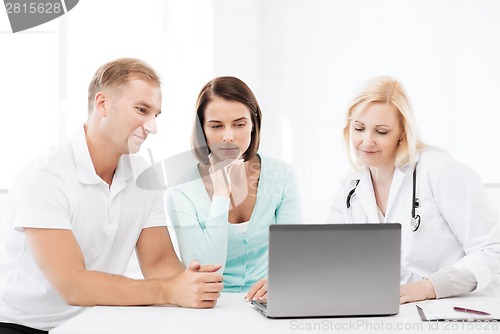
x=415, y=203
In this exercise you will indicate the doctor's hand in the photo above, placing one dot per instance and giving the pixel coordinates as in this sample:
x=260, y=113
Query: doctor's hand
x=416, y=291
x=258, y=291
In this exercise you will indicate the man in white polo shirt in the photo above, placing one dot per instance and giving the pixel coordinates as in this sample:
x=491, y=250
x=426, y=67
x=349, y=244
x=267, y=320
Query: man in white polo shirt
x=75, y=215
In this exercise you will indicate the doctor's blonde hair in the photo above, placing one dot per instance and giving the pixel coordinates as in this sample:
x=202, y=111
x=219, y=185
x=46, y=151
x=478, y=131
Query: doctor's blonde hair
x=384, y=89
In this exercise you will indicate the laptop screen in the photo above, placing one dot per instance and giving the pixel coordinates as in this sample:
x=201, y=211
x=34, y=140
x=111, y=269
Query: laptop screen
x=334, y=270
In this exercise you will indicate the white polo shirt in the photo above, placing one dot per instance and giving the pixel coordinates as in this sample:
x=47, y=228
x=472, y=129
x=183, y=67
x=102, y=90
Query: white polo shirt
x=61, y=190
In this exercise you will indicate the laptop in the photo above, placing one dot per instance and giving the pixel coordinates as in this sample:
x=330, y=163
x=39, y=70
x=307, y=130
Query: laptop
x=332, y=270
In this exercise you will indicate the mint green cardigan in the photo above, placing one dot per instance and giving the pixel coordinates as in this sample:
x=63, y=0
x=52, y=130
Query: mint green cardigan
x=204, y=233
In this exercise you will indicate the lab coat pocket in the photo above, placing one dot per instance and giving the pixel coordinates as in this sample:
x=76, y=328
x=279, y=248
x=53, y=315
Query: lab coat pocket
x=426, y=243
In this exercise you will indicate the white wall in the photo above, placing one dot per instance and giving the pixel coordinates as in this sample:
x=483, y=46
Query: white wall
x=302, y=58
x=305, y=58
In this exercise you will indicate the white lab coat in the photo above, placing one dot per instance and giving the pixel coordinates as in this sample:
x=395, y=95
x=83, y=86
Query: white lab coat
x=459, y=224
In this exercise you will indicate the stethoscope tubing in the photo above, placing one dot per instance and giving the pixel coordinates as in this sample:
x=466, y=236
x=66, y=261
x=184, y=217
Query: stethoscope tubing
x=415, y=203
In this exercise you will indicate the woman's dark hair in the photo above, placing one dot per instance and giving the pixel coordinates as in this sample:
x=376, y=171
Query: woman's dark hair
x=230, y=89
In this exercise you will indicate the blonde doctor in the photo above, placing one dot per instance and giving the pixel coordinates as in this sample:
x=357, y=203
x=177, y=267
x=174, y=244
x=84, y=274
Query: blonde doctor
x=450, y=228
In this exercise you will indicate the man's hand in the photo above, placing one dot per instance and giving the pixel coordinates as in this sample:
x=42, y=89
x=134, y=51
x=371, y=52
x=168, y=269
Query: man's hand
x=59, y=257
x=197, y=287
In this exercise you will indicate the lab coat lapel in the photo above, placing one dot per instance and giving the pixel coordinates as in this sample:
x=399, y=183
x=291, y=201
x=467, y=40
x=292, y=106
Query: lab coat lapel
x=397, y=182
x=366, y=195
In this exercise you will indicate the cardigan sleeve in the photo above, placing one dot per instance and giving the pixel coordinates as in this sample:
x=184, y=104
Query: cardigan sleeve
x=206, y=243
x=288, y=210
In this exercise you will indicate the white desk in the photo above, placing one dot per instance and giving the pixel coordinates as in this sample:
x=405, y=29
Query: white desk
x=233, y=315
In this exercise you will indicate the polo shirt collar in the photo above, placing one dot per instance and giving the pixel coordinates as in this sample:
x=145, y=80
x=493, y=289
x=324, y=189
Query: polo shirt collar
x=85, y=166
x=123, y=170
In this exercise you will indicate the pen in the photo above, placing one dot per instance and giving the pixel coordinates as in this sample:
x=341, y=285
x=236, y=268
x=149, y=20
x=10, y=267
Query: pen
x=468, y=310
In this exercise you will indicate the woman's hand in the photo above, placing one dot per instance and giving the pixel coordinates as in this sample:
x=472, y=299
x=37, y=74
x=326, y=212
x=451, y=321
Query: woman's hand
x=416, y=291
x=220, y=173
x=258, y=291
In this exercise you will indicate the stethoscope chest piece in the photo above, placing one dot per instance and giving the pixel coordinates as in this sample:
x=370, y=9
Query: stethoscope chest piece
x=415, y=223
